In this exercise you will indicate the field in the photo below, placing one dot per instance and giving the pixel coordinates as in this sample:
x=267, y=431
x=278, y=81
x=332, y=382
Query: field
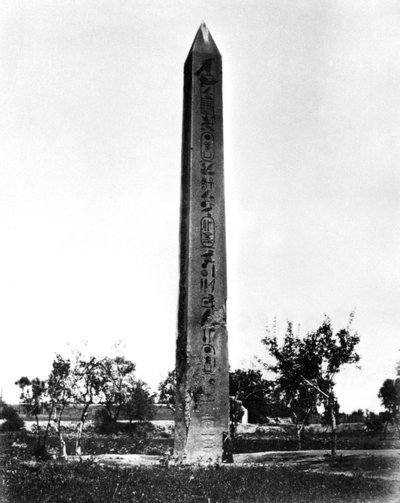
x=270, y=476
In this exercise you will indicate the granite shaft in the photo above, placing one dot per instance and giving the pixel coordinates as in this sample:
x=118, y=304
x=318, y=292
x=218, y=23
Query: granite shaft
x=202, y=368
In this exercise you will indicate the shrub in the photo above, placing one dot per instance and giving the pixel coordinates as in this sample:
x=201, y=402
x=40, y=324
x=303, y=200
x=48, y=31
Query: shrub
x=103, y=423
x=13, y=420
x=374, y=422
x=141, y=429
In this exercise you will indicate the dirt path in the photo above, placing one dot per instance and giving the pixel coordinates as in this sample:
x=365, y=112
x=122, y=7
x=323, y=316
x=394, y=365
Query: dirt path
x=383, y=464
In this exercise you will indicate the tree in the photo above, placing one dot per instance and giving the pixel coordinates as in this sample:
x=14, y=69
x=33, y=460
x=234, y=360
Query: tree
x=375, y=423
x=13, y=421
x=307, y=368
x=247, y=387
x=35, y=399
x=119, y=384
x=60, y=392
x=87, y=382
x=167, y=390
x=140, y=404
x=389, y=393
x=256, y=394
x=50, y=395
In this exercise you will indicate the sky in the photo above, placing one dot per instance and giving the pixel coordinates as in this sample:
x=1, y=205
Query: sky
x=90, y=137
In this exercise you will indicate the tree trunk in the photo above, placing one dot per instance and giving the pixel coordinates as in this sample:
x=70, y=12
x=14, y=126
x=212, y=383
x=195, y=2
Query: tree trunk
x=79, y=430
x=333, y=433
x=63, y=445
x=385, y=430
x=46, y=433
x=38, y=433
x=299, y=429
x=398, y=427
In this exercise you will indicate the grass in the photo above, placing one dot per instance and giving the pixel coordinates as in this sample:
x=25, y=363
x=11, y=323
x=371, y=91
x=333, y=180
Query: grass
x=286, y=442
x=87, y=482
x=23, y=480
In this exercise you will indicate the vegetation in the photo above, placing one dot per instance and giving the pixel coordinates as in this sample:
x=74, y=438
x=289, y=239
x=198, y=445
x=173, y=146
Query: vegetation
x=247, y=388
x=306, y=370
x=88, y=482
x=389, y=394
x=140, y=405
x=84, y=382
x=166, y=390
x=254, y=392
x=13, y=421
x=34, y=397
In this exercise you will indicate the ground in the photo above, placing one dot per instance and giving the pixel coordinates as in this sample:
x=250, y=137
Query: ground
x=130, y=467
x=383, y=464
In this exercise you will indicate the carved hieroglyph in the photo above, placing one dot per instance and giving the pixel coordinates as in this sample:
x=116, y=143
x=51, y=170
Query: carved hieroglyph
x=202, y=401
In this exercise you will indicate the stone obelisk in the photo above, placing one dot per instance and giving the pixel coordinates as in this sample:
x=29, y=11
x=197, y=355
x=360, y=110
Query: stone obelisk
x=202, y=399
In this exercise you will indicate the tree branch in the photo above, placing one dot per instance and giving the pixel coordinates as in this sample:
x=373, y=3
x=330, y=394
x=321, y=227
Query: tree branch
x=316, y=387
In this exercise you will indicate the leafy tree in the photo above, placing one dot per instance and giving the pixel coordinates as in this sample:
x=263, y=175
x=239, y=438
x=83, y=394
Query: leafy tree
x=140, y=404
x=357, y=416
x=257, y=394
x=119, y=384
x=167, y=389
x=60, y=392
x=376, y=422
x=35, y=399
x=389, y=393
x=235, y=413
x=13, y=421
x=306, y=370
x=247, y=387
x=87, y=382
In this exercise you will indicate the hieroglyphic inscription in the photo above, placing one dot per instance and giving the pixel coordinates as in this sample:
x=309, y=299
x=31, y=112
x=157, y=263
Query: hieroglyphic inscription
x=207, y=237
x=207, y=278
x=208, y=441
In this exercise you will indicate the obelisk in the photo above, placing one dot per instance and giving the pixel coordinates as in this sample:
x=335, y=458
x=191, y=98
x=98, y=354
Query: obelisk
x=202, y=399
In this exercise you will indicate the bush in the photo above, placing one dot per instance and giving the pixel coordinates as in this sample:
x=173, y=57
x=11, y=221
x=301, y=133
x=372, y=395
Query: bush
x=103, y=423
x=13, y=420
x=374, y=422
x=141, y=429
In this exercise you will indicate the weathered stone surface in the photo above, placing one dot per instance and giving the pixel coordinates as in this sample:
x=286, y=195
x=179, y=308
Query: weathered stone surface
x=202, y=410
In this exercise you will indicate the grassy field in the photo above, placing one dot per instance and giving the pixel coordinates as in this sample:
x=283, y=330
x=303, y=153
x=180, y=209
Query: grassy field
x=280, y=478
x=88, y=482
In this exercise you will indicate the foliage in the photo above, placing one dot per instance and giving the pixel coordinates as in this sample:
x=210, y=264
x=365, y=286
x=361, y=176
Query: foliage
x=84, y=382
x=306, y=369
x=33, y=395
x=60, y=390
x=119, y=384
x=257, y=395
x=102, y=421
x=88, y=482
x=247, y=387
x=375, y=422
x=389, y=393
x=357, y=416
x=13, y=421
x=167, y=390
x=326, y=418
x=35, y=399
x=140, y=405
x=235, y=410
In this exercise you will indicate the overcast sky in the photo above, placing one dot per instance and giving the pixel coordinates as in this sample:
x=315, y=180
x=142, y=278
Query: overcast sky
x=90, y=132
